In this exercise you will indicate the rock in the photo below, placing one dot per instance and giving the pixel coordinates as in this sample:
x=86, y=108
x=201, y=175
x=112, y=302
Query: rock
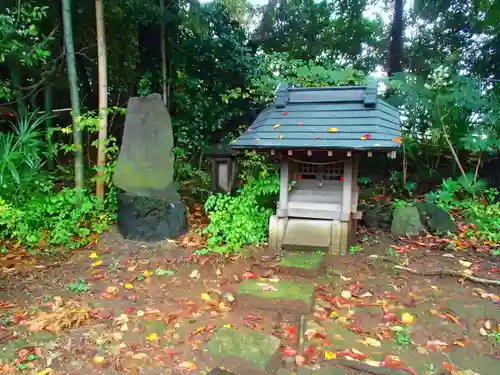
x=245, y=351
x=285, y=296
x=302, y=264
x=377, y=216
x=150, y=219
x=145, y=164
x=406, y=222
x=435, y=218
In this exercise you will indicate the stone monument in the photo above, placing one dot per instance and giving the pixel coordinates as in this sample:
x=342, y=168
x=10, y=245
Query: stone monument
x=149, y=205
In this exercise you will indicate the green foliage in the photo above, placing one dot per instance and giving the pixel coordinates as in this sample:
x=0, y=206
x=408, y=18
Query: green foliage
x=398, y=187
x=475, y=202
x=242, y=219
x=194, y=180
x=402, y=337
x=22, y=151
x=354, y=249
x=21, y=41
x=47, y=217
x=79, y=287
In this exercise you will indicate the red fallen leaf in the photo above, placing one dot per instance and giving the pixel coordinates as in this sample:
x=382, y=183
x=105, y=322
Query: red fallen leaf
x=288, y=352
x=390, y=295
x=309, y=350
x=7, y=305
x=23, y=354
x=355, y=286
x=125, y=262
x=248, y=275
x=285, y=113
x=449, y=367
x=390, y=317
x=354, y=327
x=392, y=361
x=130, y=309
x=292, y=331
x=348, y=353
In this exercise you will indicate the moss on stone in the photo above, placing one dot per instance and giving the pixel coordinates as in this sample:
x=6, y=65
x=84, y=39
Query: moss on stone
x=303, y=260
x=286, y=290
x=255, y=348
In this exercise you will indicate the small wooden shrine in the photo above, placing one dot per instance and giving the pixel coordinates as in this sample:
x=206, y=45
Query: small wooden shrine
x=318, y=134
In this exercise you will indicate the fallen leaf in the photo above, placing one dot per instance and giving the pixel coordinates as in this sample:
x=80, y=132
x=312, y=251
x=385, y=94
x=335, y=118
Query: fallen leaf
x=299, y=123
x=345, y=278
x=45, y=372
x=111, y=290
x=370, y=342
x=346, y=294
x=288, y=351
x=152, y=337
x=147, y=273
x=128, y=286
x=140, y=356
x=373, y=363
x=98, y=263
x=407, y=318
x=282, y=137
x=483, y=332
x=333, y=130
x=465, y=263
x=248, y=275
x=187, y=366
x=93, y=255
x=329, y=355
x=98, y=360
x=366, y=137
x=195, y=274
x=205, y=297
x=269, y=288
x=162, y=272
x=397, y=140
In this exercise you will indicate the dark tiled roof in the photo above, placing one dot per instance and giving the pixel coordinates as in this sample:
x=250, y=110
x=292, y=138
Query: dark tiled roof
x=347, y=118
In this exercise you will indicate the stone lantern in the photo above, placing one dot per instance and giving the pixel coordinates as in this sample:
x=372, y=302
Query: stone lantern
x=223, y=167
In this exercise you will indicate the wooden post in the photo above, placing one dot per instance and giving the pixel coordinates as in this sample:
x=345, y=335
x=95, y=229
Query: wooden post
x=347, y=191
x=283, y=203
x=355, y=189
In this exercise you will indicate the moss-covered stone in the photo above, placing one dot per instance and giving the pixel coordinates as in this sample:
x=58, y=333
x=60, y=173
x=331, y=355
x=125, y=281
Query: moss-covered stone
x=303, y=260
x=246, y=348
x=285, y=296
x=283, y=290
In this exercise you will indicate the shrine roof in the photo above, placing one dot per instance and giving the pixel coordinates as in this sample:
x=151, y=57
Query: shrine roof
x=340, y=118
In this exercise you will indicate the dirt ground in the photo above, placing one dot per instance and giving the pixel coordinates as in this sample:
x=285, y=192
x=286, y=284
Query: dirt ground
x=121, y=307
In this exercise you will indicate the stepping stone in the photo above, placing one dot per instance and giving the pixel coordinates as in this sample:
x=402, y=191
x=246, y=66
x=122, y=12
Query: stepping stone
x=286, y=296
x=245, y=351
x=303, y=264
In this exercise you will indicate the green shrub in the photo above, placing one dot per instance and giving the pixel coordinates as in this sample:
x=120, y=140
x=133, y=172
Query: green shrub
x=52, y=218
x=242, y=219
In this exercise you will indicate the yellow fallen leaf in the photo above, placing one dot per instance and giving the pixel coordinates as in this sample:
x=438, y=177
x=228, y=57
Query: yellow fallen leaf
x=111, y=289
x=276, y=126
x=333, y=130
x=98, y=360
x=128, y=286
x=329, y=355
x=93, y=255
x=334, y=314
x=465, y=263
x=98, y=263
x=346, y=294
x=187, y=366
x=205, y=297
x=370, y=342
x=407, y=318
x=147, y=273
x=227, y=326
x=45, y=372
x=345, y=278
x=281, y=137
x=152, y=337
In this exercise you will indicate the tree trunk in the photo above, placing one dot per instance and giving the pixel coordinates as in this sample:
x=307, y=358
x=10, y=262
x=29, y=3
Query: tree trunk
x=48, y=122
x=103, y=98
x=73, y=90
x=396, y=44
x=163, y=54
